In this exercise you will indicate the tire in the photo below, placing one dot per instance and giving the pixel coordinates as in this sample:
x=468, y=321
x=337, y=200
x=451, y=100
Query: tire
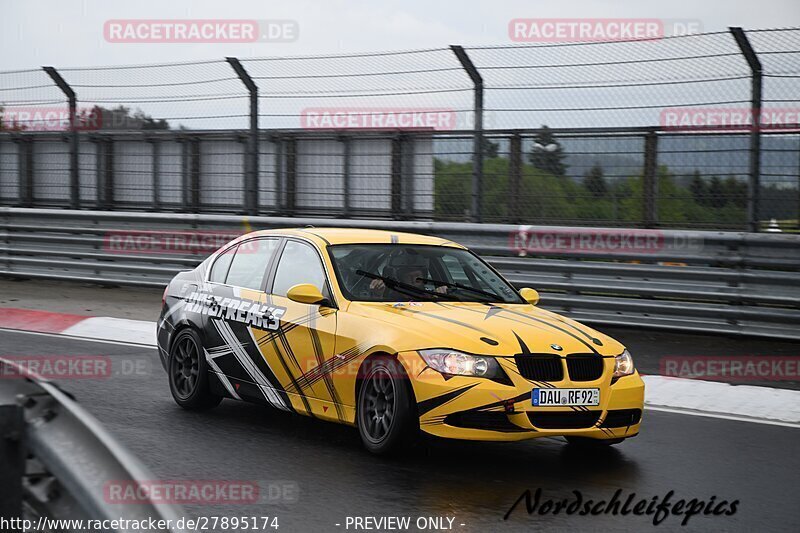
x=386, y=412
x=586, y=442
x=188, y=373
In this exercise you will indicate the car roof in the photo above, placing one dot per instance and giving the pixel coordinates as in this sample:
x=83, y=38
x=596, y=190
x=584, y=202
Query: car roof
x=334, y=236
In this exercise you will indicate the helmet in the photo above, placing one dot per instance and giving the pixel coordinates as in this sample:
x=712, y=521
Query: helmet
x=403, y=262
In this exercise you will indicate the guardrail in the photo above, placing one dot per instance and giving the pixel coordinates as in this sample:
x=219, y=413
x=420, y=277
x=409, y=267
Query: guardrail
x=720, y=282
x=57, y=458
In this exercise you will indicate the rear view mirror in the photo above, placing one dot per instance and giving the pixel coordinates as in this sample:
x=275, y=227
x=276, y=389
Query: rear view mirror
x=306, y=293
x=530, y=295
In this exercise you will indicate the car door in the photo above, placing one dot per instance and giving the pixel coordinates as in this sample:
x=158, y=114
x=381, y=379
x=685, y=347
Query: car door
x=303, y=346
x=237, y=314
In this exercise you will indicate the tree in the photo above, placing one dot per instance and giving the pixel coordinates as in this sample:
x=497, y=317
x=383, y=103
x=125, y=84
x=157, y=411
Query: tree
x=716, y=193
x=698, y=189
x=594, y=183
x=735, y=191
x=547, y=153
x=120, y=118
x=9, y=125
x=490, y=149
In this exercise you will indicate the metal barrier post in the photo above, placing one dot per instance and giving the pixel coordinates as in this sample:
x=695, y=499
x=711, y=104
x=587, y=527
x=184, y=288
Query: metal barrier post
x=650, y=189
x=477, y=145
x=12, y=460
x=291, y=175
x=25, y=170
x=278, y=144
x=346, y=174
x=155, y=145
x=251, y=158
x=397, y=178
x=515, y=178
x=194, y=174
x=108, y=173
x=72, y=98
x=754, y=188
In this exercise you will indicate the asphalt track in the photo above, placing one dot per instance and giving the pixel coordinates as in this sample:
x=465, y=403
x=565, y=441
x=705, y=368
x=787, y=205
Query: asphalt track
x=477, y=483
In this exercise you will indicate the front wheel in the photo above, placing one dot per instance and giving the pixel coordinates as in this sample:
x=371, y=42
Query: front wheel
x=188, y=373
x=386, y=417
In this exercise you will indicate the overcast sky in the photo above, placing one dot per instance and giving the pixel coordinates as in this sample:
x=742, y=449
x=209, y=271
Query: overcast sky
x=70, y=32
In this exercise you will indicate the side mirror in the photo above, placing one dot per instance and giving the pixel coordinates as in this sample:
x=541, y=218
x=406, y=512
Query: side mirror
x=530, y=295
x=306, y=293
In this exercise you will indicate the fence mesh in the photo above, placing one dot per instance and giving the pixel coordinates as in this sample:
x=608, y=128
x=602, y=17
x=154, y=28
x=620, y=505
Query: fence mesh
x=609, y=133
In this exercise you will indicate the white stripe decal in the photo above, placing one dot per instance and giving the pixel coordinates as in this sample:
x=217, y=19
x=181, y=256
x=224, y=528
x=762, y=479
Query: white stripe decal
x=170, y=312
x=222, y=377
x=250, y=367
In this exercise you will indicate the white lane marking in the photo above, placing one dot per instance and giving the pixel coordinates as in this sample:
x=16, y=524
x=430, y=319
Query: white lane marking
x=724, y=399
x=81, y=339
x=116, y=329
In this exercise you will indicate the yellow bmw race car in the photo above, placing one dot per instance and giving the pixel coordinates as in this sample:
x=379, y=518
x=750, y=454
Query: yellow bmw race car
x=394, y=333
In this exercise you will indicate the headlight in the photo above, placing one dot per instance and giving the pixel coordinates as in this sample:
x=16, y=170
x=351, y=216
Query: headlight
x=451, y=362
x=623, y=365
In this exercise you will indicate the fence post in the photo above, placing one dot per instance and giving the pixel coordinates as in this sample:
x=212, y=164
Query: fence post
x=515, y=178
x=477, y=143
x=12, y=460
x=650, y=186
x=251, y=158
x=754, y=185
x=72, y=98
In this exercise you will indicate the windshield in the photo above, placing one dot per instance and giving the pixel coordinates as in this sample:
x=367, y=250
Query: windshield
x=403, y=272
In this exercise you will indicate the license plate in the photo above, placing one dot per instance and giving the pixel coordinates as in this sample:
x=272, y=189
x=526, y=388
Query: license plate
x=564, y=397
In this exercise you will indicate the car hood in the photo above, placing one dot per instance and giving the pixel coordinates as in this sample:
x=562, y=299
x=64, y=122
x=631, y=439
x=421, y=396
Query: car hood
x=489, y=329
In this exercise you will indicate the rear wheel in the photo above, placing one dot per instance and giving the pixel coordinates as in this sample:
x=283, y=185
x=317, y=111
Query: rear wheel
x=592, y=443
x=385, y=414
x=188, y=373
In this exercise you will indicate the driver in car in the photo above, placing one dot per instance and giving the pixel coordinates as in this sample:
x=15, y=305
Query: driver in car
x=410, y=275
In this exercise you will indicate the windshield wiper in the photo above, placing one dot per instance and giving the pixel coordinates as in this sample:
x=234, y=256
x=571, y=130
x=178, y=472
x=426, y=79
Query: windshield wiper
x=405, y=288
x=464, y=287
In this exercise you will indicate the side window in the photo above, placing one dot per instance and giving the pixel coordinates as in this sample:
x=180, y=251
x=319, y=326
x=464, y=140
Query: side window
x=250, y=263
x=221, y=265
x=299, y=264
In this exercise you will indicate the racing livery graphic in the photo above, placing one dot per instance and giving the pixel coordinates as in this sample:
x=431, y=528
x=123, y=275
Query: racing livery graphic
x=394, y=333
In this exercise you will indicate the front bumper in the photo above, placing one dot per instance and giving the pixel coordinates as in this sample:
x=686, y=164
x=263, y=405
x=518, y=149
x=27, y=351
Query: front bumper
x=461, y=407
